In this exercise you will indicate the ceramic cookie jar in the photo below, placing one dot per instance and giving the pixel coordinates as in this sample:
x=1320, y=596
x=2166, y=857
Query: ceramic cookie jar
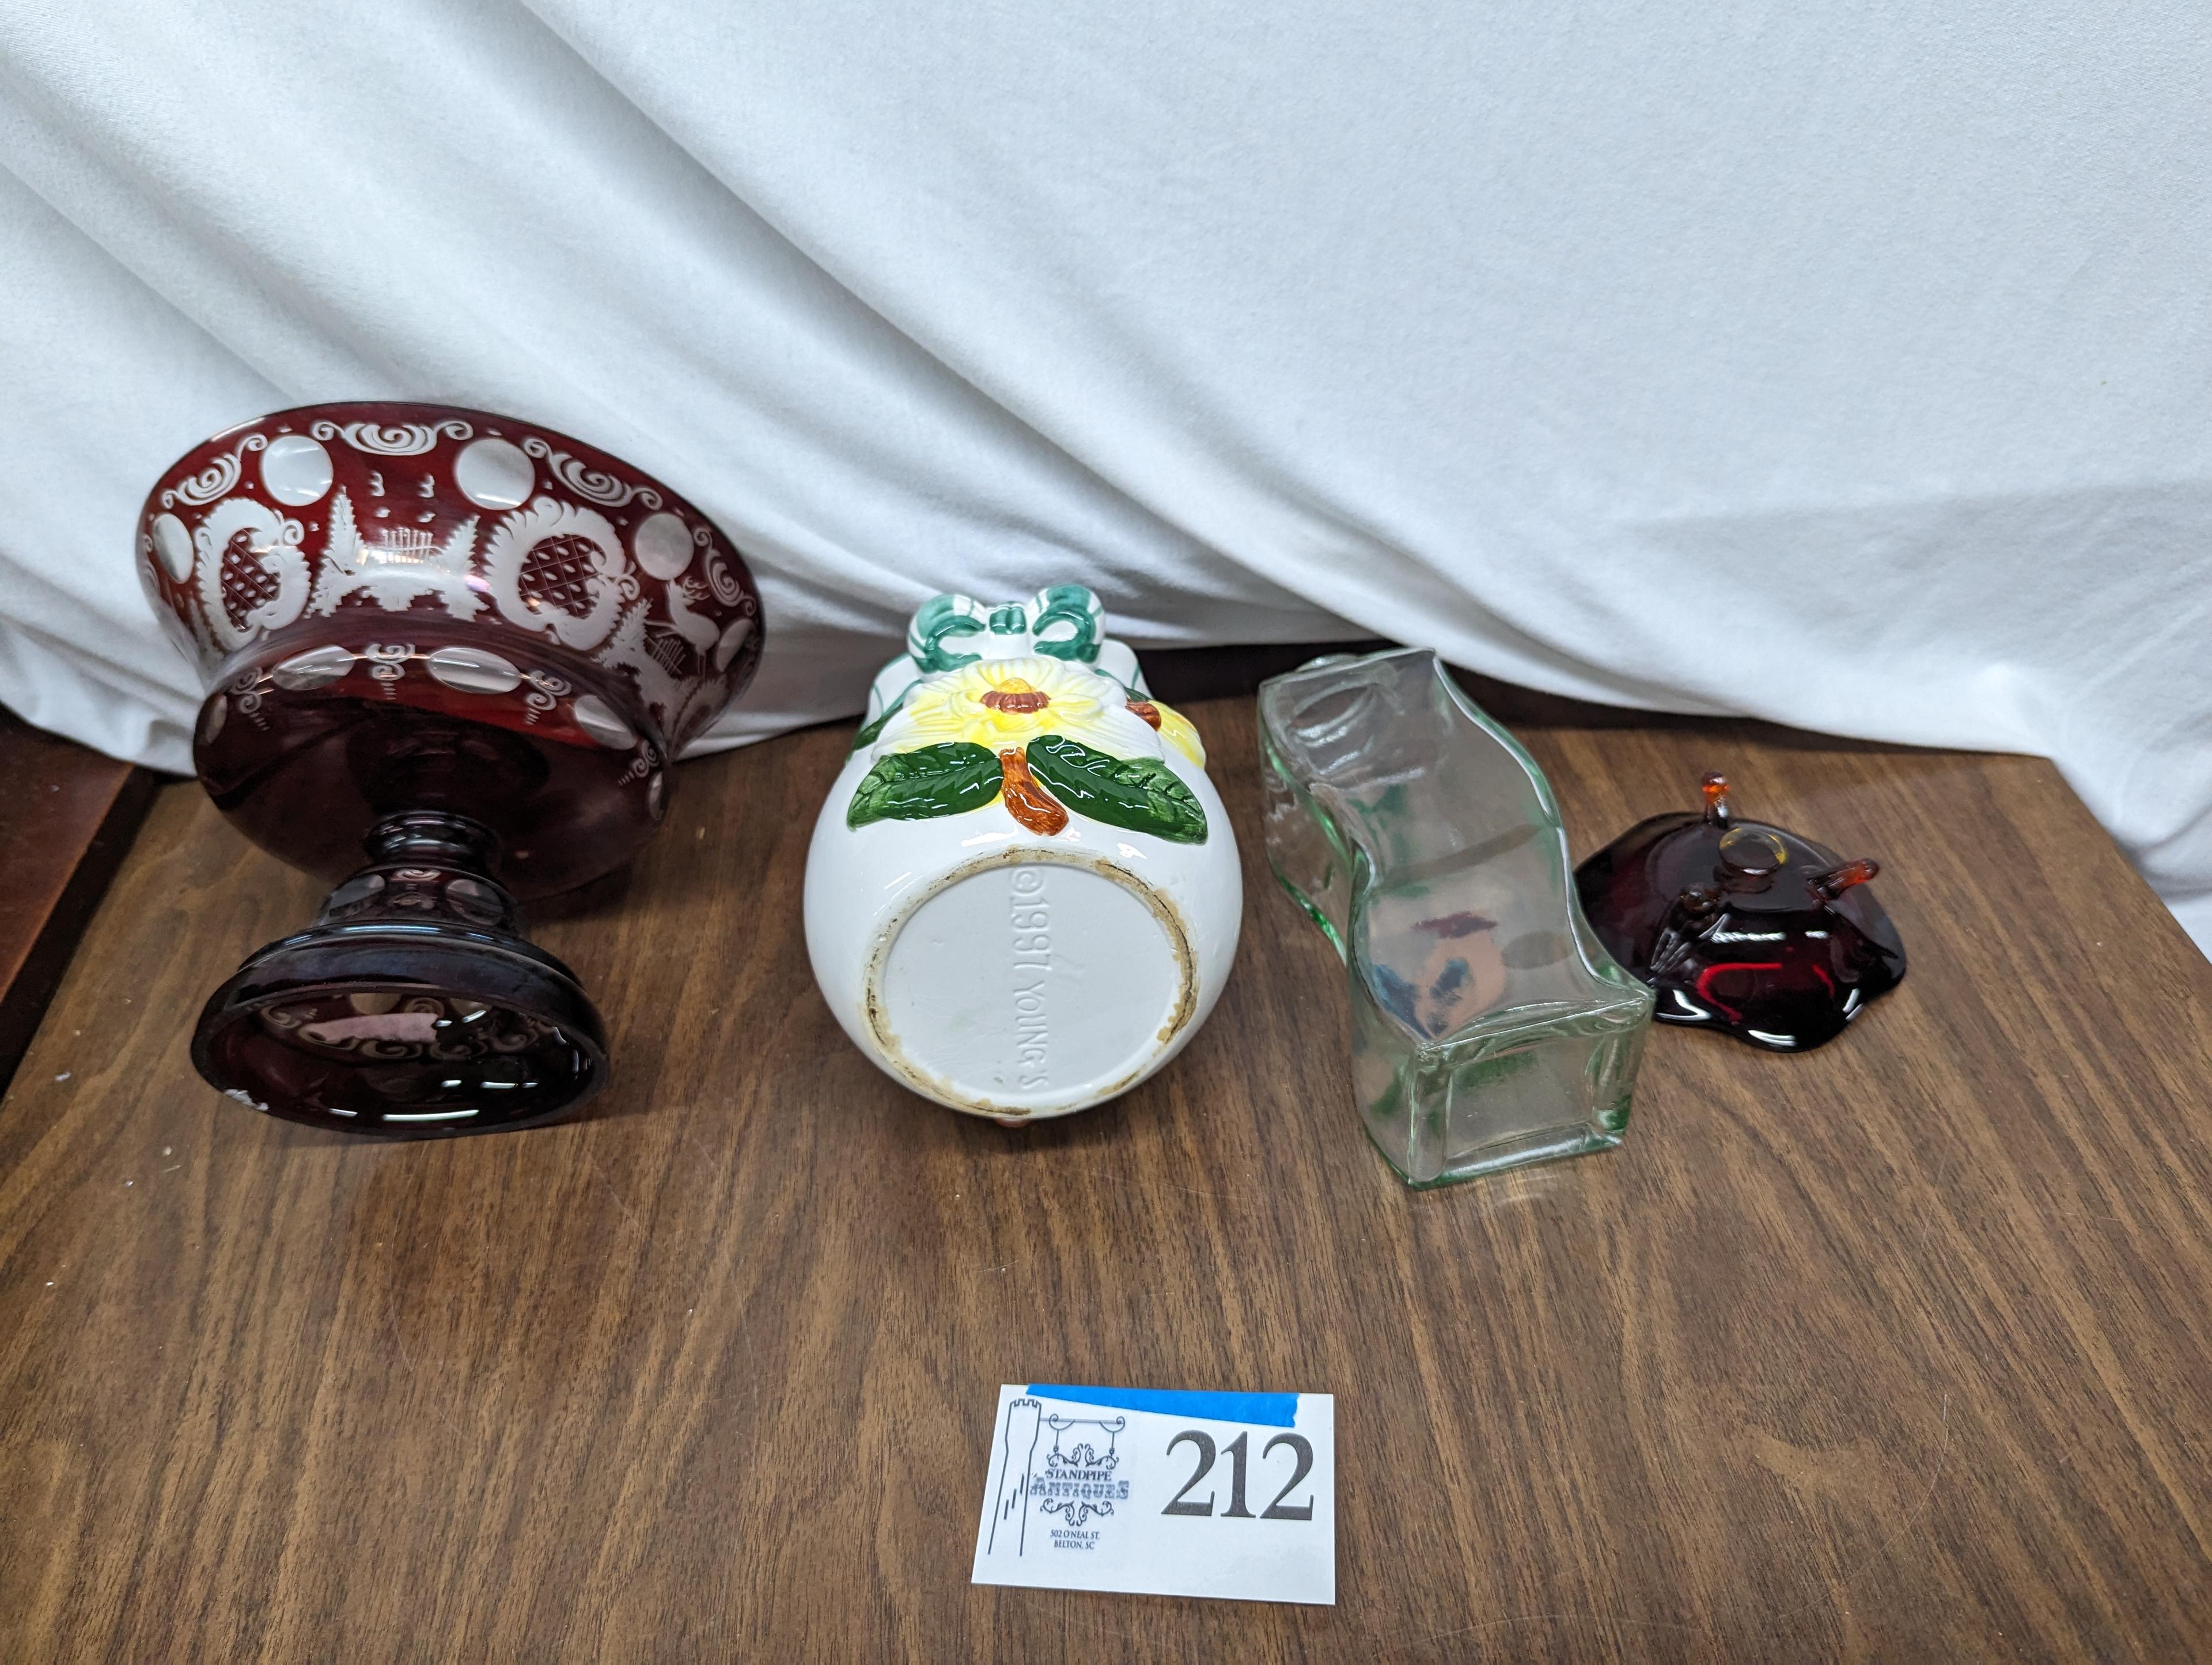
x=1023, y=894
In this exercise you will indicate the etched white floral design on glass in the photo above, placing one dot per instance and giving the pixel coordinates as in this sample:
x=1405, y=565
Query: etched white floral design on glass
x=1489, y=1027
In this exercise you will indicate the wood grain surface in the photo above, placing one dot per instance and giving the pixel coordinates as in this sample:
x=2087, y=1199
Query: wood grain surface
x=67, y=815
x=1898, y=1350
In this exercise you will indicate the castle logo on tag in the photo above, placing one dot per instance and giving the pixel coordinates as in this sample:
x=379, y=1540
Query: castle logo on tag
x=1058, y=1490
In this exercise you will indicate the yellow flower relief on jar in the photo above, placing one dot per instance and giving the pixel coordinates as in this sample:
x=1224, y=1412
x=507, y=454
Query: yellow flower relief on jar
x=1003, y=704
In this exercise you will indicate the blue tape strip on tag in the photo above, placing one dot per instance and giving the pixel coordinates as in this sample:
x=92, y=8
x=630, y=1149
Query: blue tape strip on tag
x=1262, y=1410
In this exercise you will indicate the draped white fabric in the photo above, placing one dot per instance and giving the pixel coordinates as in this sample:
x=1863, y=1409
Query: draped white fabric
x=1845, y=366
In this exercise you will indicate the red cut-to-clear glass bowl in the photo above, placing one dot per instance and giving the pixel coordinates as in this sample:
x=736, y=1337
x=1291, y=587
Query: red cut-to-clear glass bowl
x=461, y=649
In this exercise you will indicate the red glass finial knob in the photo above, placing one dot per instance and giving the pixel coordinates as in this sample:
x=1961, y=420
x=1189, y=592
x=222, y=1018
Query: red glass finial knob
x=1835, y=882
x=1715, y=789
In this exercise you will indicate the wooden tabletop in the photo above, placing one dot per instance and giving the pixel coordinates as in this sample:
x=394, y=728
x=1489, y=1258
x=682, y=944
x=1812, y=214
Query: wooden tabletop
x=67, y=815
x=1896, y=1350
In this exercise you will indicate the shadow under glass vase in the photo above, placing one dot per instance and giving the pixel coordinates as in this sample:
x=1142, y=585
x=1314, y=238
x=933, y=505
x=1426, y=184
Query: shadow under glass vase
x=1490, y=1027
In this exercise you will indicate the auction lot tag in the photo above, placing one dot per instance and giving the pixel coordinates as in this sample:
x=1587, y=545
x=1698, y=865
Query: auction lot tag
x=1155, y=1494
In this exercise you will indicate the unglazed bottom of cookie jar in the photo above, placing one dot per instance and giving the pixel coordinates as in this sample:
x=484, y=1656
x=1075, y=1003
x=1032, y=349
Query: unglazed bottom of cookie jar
x=1015, y=976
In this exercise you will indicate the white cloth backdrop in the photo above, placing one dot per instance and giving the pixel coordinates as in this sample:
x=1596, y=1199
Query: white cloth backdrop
x=1850, y=365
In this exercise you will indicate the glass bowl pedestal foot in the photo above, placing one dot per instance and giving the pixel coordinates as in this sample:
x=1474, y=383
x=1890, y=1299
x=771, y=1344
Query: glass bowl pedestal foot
x=412, y=1006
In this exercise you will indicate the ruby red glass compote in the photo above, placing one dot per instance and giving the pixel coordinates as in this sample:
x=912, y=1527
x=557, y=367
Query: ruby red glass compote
x=464, y=647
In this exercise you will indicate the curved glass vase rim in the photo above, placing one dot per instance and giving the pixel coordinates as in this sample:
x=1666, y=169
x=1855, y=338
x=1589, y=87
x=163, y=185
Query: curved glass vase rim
x=1496, y=1022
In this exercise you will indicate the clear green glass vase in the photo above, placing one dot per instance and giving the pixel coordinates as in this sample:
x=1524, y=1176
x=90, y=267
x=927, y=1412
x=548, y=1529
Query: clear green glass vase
x=1489, y=1027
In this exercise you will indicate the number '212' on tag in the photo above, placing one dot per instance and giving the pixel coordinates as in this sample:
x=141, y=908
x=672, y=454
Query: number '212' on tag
x=1162, y=1493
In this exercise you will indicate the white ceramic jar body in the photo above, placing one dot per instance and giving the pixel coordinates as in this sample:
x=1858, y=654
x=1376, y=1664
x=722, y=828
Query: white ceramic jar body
x=1022, y=897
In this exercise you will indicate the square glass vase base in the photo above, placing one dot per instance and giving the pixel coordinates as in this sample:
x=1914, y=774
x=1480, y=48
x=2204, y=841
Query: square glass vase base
x=1491, y=1103
x=1489, y=1027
